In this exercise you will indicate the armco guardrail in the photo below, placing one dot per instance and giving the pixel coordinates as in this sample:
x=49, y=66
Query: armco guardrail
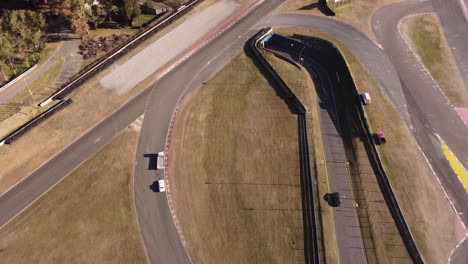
x=10, y=83
x=374, y=156
x=36, y=121
x=310, y=217
x=382, y=177
x=118, y=52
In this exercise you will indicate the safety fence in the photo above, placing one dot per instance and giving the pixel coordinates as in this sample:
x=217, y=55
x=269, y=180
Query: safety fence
x=321, y=49
x=99, y=65
x=34, y=122
x=311, y=242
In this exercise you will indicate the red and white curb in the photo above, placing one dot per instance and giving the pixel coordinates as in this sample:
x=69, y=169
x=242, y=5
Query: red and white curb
x=171, y=125
x=463, y=113
x=422, y=66
x=166, y=175
x=209, y=39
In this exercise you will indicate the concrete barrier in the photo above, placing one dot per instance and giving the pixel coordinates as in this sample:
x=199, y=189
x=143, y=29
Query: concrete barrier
x=312, y=254
x=373, y=153
x=34, y=122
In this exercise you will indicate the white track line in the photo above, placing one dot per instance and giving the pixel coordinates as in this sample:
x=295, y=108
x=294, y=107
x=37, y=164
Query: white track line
x=421, y=64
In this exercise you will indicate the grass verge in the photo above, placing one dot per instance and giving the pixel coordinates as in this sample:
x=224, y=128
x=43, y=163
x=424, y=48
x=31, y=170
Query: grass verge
x=236, y=179
x=299, y=81
x=425, y=36
x=87, y=217
x=415, y=186
x=49, y=138
x=35, y=91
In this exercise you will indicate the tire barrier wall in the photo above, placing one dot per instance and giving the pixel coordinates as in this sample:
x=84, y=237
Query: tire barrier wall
x=311, y=249
x=118, y=52
x=36, y=121
x=318, y=49
x=326, y=8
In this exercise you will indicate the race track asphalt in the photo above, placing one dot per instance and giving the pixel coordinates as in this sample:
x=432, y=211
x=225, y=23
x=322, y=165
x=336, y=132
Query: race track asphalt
x=164, y=98
x=455, y=28
x=429, y=109
x=157, y=228
x=431, y=114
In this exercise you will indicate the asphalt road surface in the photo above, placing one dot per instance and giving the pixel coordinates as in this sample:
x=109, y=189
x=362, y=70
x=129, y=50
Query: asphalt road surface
x=430, y=111
x=159, y=234
x=346, y=221
x=455, y=28
x=428, y=107
x=127, y=75
x=155, y=124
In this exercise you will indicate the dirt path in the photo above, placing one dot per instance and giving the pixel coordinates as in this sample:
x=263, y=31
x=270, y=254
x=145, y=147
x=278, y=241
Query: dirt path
x=68, y=51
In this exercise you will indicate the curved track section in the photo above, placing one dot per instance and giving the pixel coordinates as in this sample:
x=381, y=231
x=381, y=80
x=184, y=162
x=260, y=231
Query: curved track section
x=452, y=18
x=160, y=237
x=368, y=53
x=431, y=112
x=159, y=234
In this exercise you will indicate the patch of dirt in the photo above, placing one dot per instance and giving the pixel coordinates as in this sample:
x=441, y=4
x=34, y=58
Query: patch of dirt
x=93, y=47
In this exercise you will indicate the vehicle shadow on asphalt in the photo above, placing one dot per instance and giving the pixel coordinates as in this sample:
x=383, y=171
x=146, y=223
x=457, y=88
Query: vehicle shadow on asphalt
x=152, y=161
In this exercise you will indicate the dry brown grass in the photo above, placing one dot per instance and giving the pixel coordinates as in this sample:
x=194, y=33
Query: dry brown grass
x=24, y=115
x=415, y=186
x=236, y=175
x=86, y=218
x=48, y=139
x=305, y=7
x=424, y=34
x=29, y=97
x=300, y=82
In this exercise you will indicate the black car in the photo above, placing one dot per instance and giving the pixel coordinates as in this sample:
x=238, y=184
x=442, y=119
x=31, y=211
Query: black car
x=333, y=199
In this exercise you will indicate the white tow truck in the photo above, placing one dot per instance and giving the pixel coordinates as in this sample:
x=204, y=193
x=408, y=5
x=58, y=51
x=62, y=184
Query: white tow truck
x=160, y=161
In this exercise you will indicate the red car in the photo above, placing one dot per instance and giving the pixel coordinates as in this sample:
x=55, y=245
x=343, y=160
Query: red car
x=381, y=137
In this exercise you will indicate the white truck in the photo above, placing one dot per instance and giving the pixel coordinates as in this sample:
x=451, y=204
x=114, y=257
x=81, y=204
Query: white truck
x=160, y=161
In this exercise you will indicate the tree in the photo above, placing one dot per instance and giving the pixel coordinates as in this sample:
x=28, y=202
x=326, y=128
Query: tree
x=95, y=14
x=21, y=36
x=72, y=11
x=131, y=10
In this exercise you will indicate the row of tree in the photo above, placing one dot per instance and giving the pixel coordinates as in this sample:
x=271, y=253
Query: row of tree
x=81, y=13
x=21, y=39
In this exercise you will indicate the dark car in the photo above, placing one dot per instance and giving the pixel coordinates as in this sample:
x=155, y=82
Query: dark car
x=333, y=199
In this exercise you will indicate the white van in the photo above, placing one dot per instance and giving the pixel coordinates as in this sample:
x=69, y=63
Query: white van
x=366, y=99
